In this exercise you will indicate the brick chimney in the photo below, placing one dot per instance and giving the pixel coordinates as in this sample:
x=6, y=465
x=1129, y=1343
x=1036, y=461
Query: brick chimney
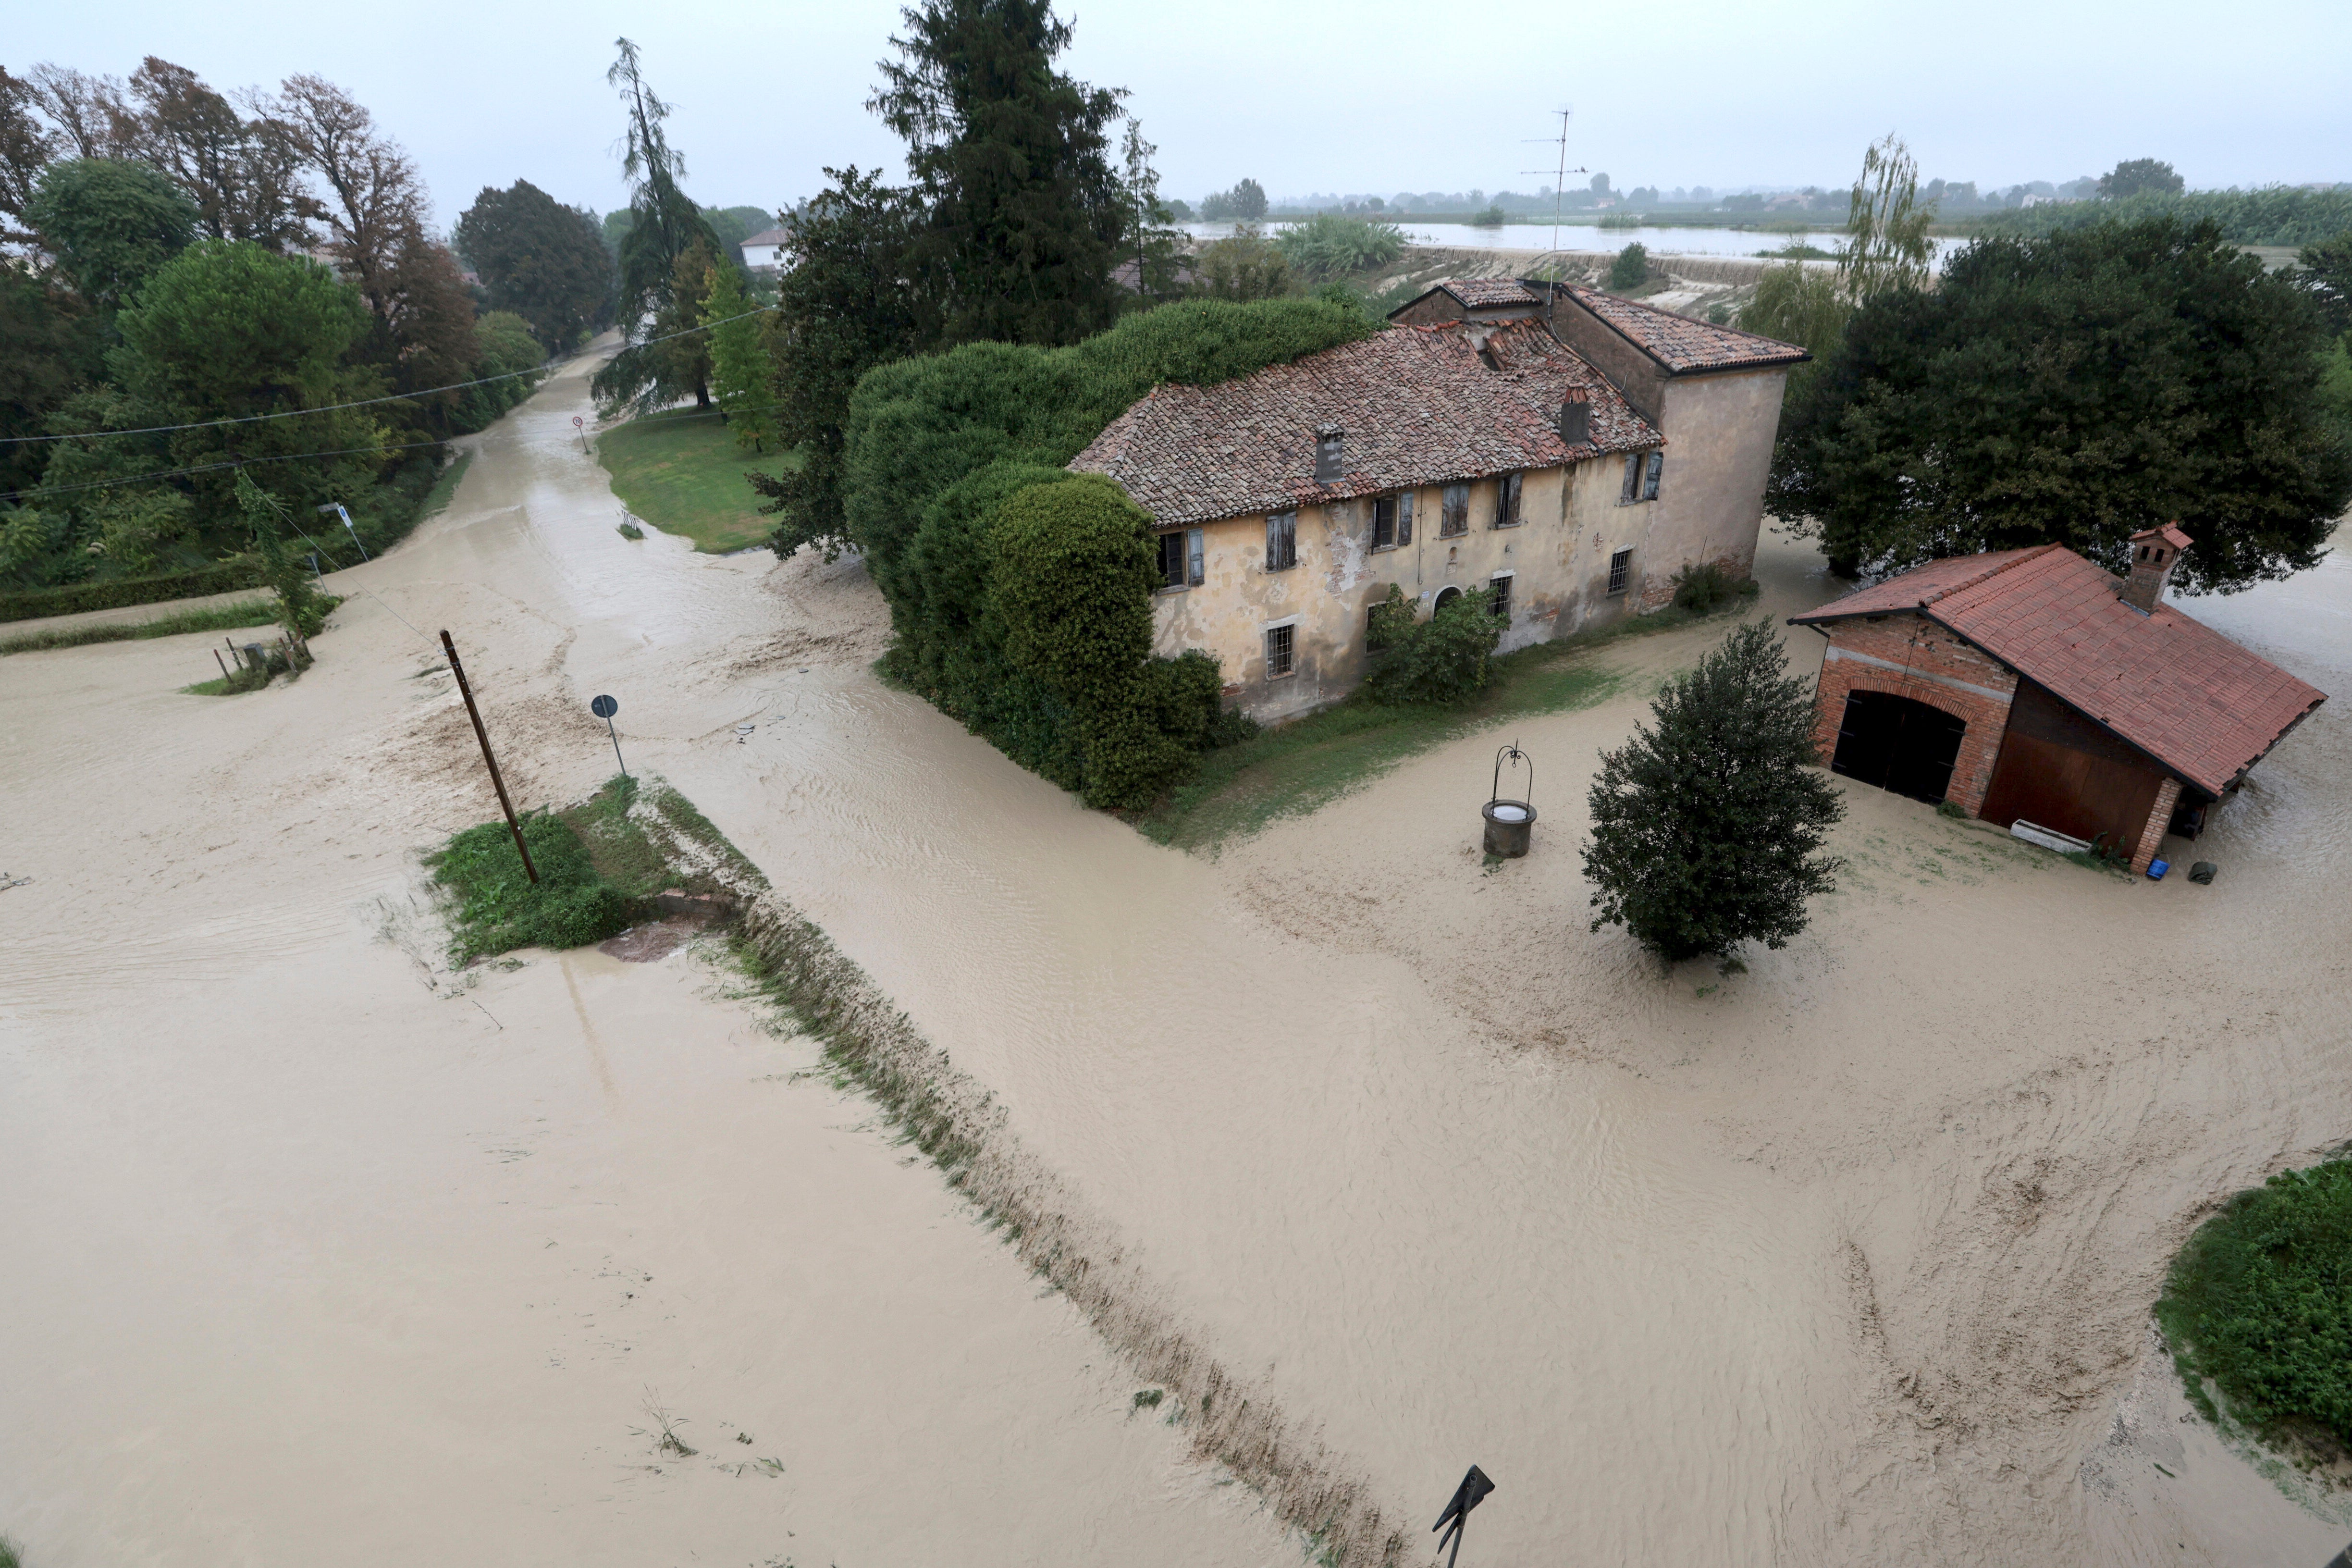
x=2154, y=552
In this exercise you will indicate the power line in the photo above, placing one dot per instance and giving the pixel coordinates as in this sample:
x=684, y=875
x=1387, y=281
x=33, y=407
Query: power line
x=368, y=402
x=207, y=468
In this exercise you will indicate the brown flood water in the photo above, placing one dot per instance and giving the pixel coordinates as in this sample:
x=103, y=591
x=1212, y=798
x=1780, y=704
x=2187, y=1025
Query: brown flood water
x=316, y=1251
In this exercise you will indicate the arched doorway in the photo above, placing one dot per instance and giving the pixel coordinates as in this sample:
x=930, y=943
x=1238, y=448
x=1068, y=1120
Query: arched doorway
x=1897, y=744
x=1444, y=595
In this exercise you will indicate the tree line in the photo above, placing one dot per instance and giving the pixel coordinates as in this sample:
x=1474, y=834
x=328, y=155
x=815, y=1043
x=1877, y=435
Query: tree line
x=204, y=286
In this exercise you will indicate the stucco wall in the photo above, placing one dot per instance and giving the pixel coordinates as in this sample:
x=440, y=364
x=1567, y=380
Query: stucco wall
x=1719, y=431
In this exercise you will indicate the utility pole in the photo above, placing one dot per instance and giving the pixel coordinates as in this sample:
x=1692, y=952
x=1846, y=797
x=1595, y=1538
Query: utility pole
x=483, y=735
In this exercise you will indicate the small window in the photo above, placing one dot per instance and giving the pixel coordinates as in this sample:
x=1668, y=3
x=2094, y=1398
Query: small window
x=1502, y=601
x=1506, y=501
x=1171, y=560
x=1404, y=518
x=1278, y=647
x=1453, y=511
x=1281, y=541
x=1384, y=522
x=1621, y=570
x=1631, y=489
x=1192, y=557
x=1650, y=476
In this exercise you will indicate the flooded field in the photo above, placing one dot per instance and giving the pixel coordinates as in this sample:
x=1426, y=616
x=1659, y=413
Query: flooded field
x=322, y=1252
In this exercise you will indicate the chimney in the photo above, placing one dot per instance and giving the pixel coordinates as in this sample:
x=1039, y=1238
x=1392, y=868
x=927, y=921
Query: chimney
x=1328, y=464
x=2154, y=552
x=1576, y=418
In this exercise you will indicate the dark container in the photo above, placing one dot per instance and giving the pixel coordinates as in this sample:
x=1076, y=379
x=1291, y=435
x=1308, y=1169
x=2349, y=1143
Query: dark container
x=1509, y=822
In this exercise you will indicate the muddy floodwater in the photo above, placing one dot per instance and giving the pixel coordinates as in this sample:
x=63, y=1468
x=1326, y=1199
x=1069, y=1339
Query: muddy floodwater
x=318, y=1251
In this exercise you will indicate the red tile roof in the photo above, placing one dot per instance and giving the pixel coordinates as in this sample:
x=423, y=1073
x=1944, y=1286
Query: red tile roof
x=1486, y=293
x=1418, y=406
x=2181, y=691
x=1682, y=346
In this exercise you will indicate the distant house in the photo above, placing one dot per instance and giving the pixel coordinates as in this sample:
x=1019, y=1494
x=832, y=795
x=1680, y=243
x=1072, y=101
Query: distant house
x=1569, y=451
x=764, y=251
x=2029, y=684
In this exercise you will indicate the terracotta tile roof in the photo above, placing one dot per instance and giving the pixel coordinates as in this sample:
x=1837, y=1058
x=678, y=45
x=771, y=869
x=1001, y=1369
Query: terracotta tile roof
x=768, y=236
x=2170, y=533
x=1418, y=406
x=2177, y=689
x=1488, y=294
x=1682, y=346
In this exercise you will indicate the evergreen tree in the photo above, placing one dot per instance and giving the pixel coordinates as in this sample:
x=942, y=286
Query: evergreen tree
x=1025, y=216
x=1155, y=247
x=740, y=370
x=544, y=261
x=665, y=228
x=1708, y=827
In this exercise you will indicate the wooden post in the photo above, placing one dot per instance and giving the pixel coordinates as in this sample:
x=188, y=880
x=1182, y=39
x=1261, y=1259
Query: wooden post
x=483, y=735
x=217, y=659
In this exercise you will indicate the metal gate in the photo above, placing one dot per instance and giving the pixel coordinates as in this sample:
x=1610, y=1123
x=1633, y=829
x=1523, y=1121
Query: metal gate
x=1898, y=744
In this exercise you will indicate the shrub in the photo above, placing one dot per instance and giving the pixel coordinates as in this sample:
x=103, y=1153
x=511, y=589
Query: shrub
x=1329, y=246
x=499, y=907
x=1707, y=829
x=2260, y=1302
x=1705, y=586
x=1631, y=267
x=1441, y=659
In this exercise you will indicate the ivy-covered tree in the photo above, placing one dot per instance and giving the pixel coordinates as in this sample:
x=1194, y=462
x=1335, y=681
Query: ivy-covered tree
x=1025, y=214
x=2075, y=388
x=1708, y=825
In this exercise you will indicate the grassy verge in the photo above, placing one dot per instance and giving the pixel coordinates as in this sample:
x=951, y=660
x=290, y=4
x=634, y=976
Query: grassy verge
x=437, y=500
x=210, y=618
x=1292, y=769
x=682, y=472
x=600, y=863
x=2259, y=1306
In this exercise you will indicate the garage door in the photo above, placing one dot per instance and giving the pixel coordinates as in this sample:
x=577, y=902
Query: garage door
x=1897, y=744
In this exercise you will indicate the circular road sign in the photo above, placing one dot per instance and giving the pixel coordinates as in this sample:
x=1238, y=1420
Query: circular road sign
x=576, y=422
x=603, y=708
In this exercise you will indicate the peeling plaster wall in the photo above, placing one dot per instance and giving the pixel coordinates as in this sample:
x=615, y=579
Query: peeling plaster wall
x=1719, y=431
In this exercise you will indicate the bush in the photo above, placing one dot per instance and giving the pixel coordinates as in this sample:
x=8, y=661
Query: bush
x=1704, y=587
x=1706, y=828
x=221, y=577
x=1329, y=246
x=2260, y=1302
x=1631, y=267
x=499, y=907
x=1441, y=659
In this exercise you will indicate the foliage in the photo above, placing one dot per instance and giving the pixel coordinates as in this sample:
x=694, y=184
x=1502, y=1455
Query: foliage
x=1801, y=305
x=1492, y=217
x=2269, y=214
x=1245, y=202
x=2075, y=388
x=177, y=623
x=1157, y=250
x=1708, y=827
x=1631, y=267
x=1704, y=588
x=742, y=376
x=543, y=261
x=1330, y=245
x=280, y=567
x=1242, y=268
x=939, y=444
x=2133, y=176
x=110, y=225
x=2327, y=275
x=499, y=908
x=1441, y=659
x=2260, y=1303
x=849, y=298
x=49, y=348
x=245, y=175
x=673, y=359
x=1023, y=214
x=1887, y=245
x=503, y=346
x=665, y=225
x=115, y=592
x=683, y=472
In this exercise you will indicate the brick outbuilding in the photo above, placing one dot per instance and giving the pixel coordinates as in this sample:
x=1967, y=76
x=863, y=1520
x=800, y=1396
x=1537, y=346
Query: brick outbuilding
x=2030, y=685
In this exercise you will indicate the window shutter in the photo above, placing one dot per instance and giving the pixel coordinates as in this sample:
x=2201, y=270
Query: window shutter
x=1273, y=539
x=1649, y=480
x=1633, y=477
x=1404, y=518
x=1192, y=550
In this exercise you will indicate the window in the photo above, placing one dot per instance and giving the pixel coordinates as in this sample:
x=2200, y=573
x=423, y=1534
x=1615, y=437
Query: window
x=1502, y=602
x=1404, y=518
x=1180, y=559
x=1384, y=522
x=1279, y=645
x=1621, y=570
x=1650, y=476
x=1453, y=511
x=1281, y=541
x=1631, y=489
x=1506, y=501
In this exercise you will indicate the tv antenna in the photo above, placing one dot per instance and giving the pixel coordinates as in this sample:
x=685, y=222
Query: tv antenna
x=1560, y=176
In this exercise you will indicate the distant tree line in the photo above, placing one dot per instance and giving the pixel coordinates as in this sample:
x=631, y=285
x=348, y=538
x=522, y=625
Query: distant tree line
x=187, y=272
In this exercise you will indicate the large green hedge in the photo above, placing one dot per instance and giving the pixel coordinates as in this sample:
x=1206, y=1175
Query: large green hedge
x=944, y=448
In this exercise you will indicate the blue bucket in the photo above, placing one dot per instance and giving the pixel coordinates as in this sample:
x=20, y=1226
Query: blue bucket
x=2157, y=868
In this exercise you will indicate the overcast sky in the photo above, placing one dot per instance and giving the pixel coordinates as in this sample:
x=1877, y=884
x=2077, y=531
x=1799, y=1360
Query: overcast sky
x=1365, y=96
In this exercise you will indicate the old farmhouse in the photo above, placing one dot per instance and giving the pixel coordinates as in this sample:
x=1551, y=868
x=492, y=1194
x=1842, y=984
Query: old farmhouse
x=2030, y=685
x=1569, y=450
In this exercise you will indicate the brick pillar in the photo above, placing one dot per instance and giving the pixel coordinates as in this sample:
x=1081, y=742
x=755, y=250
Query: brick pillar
x=2159, y=817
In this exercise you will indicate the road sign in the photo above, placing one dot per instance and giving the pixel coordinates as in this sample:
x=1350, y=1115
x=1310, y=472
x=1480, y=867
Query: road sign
x=603, y=708
x=1468, y=1495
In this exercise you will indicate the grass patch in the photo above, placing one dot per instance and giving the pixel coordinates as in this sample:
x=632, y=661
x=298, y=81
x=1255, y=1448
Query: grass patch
x=2259, y=1305
x=682, y=472
x=1293, y=768
x=210, y=618
x=437, y=500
